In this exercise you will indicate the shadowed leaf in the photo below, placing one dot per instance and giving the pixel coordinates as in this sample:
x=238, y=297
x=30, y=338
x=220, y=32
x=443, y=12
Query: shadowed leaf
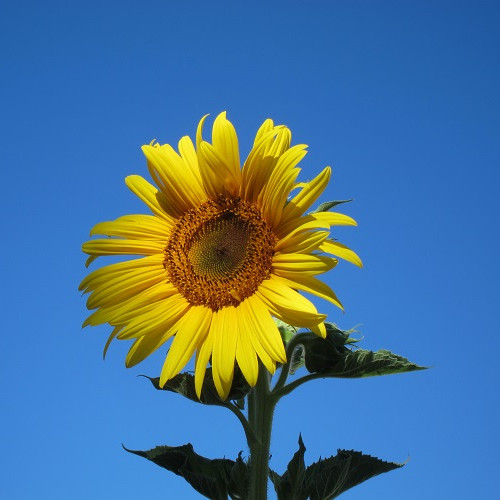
x=332, y=358
x=183, y=384
x=361, y=363
x=238, y=480
x=291, y=485
x=214, y=479
x=328, y=478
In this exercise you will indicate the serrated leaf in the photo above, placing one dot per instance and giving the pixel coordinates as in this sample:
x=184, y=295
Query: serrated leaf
x=362, y=363
x=332, y=358
x=239, y=480
x=327, y=205
x=291, y=485
x=183, y=384
x=328, y=478
x=340, y=337
x=208, y=477
x=275, y=478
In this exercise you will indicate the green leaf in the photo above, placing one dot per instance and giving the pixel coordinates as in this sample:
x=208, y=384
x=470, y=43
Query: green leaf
x=275, y=478
x=291, y=485
x=331, y=357
x=327, y=205
x=328, y=478
x=211, y=478
x=239, y=479
x=362, y=363
x=183, y=384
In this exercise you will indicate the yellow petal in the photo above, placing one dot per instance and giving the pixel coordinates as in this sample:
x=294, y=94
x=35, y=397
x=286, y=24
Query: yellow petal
x=151, y=196
x=191, y=332
x=256, y=170
x=262, y=160
x=302, y=243
x=313, y=221
x=175, y=180
x=199, y=132
x=158, y=318
x=145, y=227
x=286, y=163
x=202, y=356
x=334, y=219
x=124, y=315
x=300, y=263
x=339, y=250
x=124, y=310
x=225, y=327
x=307, y=196
x=247, y=328
x=245, y=354
x=218, y=177
x=276, y=191
x=264, y=129
x=281, y=143
x=264, y=328
x=309, y=284
x=225, y=142
x=114, y=246
x=111, y=271
x=319, y=330
x=124, y=286
x=190, y=159
x=143, y=347
x=114, y=333
x=288, y=305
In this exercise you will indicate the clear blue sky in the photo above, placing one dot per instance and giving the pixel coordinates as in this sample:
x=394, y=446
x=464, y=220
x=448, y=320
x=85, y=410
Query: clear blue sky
x=400, y=97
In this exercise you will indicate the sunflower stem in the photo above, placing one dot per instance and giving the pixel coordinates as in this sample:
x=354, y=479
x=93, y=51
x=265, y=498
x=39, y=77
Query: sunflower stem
x=261, y=405
x=287, y=389
x=249, y=433
x=285, y=368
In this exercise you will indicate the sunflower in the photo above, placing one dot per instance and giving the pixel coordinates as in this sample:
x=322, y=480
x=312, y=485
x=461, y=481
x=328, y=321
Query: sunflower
x=226, y=249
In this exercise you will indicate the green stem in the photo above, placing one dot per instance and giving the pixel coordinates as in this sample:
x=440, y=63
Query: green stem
x=283, y=391
x=285, y=369
x=249, y=433
x=260, y=416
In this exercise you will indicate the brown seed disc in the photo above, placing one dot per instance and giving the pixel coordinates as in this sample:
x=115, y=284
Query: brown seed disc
x=219, y=253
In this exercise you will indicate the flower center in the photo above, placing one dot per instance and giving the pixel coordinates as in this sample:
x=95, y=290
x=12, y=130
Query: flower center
x=219, y=253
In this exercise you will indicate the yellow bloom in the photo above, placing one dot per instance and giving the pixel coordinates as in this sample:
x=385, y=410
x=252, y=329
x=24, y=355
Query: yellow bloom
x=225, y=250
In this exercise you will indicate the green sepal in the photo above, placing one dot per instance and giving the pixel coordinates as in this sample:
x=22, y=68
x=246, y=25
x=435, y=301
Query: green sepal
x=321, y=354
x=183, y=384
x=327, y=478
x=328, y=205
x=287, y=331
x=213, y=478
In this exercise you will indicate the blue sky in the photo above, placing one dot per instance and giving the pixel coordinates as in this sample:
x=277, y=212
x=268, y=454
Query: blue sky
x=400, y=98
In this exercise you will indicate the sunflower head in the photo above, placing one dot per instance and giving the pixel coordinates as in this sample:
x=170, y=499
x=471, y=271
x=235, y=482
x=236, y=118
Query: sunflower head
x=226, y=249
